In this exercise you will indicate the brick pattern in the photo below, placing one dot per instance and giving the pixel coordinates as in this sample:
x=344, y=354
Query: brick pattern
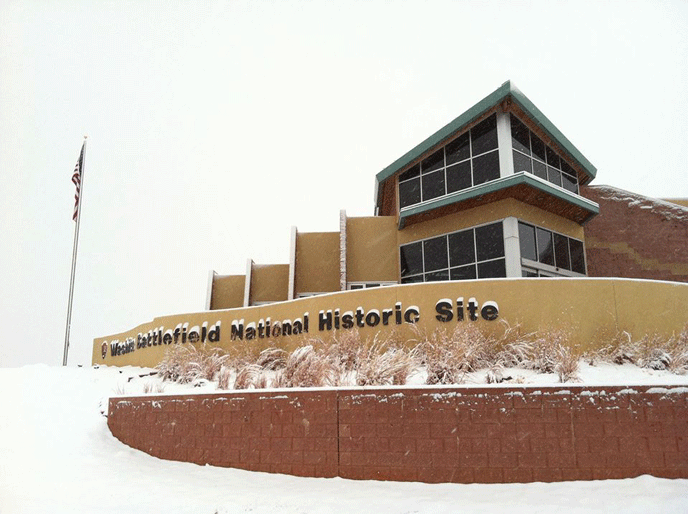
x=633, y=237
x=519, y=434
x=292, y=434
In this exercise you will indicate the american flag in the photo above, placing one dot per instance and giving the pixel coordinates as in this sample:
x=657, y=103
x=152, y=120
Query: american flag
x=76, y=179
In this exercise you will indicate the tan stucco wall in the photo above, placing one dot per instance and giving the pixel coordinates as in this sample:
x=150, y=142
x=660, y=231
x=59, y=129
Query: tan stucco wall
x=228, y=291
x=317, y=262
x=486, y=214
x=592, y=310
x=678, y=201
x=371, y=249
x=269, y=283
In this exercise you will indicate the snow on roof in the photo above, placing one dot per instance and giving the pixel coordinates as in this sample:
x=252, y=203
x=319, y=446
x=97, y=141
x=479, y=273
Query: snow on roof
x=671, y=211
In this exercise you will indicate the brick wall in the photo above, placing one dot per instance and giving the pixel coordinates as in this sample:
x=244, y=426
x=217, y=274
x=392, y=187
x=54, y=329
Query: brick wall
x=458, y=434
x=636, y=236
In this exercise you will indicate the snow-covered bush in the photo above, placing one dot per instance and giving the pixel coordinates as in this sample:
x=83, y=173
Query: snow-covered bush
x=307, y=368
x=187, y=363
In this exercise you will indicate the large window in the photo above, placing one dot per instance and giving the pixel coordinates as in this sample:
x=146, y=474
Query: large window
x=469, y=160
x=474, y=253
x=546, y=253
x=531, y=154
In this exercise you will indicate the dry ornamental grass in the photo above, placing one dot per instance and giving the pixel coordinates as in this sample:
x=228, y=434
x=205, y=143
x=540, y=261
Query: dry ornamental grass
x=446, y=357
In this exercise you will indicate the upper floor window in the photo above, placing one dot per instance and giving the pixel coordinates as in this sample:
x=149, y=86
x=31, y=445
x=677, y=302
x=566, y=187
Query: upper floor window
x=469, y=160
x=474, y=253
x=532, y=155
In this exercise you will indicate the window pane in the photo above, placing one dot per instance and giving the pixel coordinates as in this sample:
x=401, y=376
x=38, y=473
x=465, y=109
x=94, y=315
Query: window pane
x=410, y=173
x=492, y=269
x=552, y=158
x=520, y=139
x=486, y=168
x=528, y=273
x=433, y=185
x=461, y=248
x=539, y=169
x=459, y=177
x=561, y=251
x=554, y=175
x=435, y=253
x=412, y=280
x=526, y=237
x=411, y=259
x=484, y=135
x=463, y=273
x=522, y=162
x=538, y=147
x=489, y=242
x=353, y=287
x=458, y=150
x=409, y=192
x=545, y=249
x=569, y=183
x=577, y=256
x=434, y=162
x=437, y=276
x=567, y=169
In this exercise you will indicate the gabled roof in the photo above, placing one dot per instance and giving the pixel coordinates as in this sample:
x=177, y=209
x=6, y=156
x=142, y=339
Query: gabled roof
x=505, y=91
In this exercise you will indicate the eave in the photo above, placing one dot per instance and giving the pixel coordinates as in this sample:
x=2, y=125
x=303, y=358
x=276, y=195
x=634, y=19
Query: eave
x=521, y=186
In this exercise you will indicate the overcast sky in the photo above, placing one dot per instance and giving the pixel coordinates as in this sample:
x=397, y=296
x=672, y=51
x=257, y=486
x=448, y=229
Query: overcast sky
x=215, y=126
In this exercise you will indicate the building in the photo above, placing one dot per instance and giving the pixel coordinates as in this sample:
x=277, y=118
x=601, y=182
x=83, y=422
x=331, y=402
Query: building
x=498, y=193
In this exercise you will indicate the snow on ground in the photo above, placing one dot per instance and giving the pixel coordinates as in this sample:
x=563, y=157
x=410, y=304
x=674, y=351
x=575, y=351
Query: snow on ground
x=57, y=455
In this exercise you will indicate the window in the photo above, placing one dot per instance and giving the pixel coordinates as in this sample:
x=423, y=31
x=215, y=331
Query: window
x=473, y=253
x=546, y=253
x=532, y=155
x=351, y=286
x=469, y=160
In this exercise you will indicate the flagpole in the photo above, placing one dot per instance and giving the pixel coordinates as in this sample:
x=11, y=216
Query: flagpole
x=82, y=157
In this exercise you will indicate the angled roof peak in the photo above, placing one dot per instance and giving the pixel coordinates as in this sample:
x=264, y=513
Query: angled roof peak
x=507, y=91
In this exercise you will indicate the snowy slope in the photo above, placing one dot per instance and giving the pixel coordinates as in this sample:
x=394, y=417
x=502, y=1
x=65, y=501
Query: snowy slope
x=57, y=455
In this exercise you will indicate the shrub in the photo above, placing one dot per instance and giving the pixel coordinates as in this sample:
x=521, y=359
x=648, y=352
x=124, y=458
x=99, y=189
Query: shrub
x=187, y=363
x=224, y=377
x=389, y=368
x=246, y=377
x=449, y=356
x=272, y=359
x=306, y=368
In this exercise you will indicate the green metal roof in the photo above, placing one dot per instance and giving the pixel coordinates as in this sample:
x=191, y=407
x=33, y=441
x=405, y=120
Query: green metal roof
x=504, y=91
x=501, y=183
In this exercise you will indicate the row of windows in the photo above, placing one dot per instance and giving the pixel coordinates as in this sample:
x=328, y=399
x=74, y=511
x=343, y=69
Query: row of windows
x=351, y=286
x=469, y=160
x=473, y=253
x=546, y=247
x=532, y=155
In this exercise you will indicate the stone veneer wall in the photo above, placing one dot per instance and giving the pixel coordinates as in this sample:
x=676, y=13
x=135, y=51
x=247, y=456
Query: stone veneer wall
x=452, y=434
x=636, y=236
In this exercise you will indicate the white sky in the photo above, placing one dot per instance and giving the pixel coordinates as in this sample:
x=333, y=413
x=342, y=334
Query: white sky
x=214, y=127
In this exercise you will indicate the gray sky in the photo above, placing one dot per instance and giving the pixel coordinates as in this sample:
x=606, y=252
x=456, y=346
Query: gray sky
x=214, y=127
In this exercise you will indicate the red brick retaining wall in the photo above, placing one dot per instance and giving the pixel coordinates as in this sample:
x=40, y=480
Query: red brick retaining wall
x=458, y=434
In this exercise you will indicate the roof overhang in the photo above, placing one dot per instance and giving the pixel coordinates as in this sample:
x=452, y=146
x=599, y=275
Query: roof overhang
x=504, y=92
x=521, y=186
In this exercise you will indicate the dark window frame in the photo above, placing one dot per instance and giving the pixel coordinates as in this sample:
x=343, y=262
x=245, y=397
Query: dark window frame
x=417, y=172
x=555, y=269
x=427, y=275
x=555, y=168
